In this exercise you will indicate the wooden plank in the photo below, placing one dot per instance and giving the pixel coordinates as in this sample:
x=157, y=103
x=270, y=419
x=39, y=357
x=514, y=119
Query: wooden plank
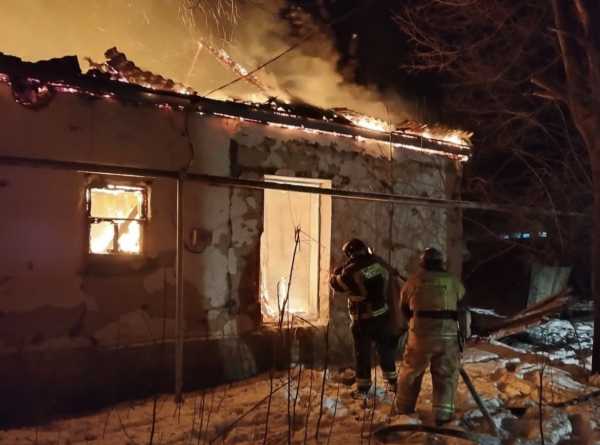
x=532, y=316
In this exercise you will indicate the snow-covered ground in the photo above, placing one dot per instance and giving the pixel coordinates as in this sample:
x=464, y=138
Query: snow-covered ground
x=505, y=376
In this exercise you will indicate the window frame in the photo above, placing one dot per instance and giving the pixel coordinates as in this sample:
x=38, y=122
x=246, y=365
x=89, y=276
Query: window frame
x=142, y=220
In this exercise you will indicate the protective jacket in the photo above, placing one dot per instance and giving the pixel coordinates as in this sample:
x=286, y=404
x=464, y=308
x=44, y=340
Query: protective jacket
x=365, y=279
x=429, y=299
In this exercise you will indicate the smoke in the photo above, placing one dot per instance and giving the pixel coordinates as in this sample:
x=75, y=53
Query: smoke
x=310, y=72
x=162, y=36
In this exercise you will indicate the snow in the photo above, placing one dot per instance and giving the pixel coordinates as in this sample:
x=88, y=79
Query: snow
x=583, y=306
x=555, y=426
x=477, y=356
x=555, y=333
x=507, y=376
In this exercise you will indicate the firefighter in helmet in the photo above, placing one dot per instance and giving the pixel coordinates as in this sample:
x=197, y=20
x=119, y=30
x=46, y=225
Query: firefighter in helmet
x=364, y=278
x=430, y=300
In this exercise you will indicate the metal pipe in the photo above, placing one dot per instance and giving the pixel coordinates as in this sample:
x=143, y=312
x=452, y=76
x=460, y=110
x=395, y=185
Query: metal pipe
x=223, y=181
x=179, y=292
x=478, y=400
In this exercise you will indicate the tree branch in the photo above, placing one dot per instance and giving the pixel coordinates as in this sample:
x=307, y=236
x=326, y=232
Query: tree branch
x=573, y=67
x=551, y=91
x=590, y=42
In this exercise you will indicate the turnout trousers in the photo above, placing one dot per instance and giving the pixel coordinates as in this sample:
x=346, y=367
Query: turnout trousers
x=443, y=356
x=374, y=331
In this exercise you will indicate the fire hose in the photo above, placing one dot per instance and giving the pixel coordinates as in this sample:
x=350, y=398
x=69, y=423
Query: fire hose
x=483, y=439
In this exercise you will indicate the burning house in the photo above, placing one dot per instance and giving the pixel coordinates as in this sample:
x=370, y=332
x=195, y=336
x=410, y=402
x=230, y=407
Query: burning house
x=151, y=236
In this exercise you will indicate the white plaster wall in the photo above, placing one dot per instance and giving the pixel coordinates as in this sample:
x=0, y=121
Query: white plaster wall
x=35, y=257
x=42, y=217
x=43, y=231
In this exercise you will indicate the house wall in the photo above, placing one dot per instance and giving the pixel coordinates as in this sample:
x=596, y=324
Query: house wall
x=99, y=328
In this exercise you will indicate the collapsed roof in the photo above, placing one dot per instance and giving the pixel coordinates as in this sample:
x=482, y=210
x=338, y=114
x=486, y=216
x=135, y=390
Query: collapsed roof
x=35, y=83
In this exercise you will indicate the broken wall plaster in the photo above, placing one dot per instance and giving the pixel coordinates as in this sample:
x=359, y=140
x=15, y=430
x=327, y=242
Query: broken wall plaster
x=246, y=225
x=368, y=220
x=225, y=277
x=96, y=278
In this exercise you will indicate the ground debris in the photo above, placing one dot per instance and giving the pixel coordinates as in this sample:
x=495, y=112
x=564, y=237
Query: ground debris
x=506, y=377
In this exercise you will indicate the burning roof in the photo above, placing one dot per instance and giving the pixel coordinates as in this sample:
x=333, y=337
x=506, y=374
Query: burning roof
x=125, y=70
x=120, y=78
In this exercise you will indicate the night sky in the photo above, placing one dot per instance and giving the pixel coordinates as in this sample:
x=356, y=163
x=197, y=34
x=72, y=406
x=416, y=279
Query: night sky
x=381, y=49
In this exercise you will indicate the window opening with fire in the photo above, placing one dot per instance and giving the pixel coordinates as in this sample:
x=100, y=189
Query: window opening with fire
x=116, y=217
x=284, y=211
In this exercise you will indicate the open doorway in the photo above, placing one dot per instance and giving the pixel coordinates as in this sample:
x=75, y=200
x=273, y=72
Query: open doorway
x=284, y=212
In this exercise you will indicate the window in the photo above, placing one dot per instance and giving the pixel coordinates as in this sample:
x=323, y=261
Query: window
x=284, y=211
x=116, y=218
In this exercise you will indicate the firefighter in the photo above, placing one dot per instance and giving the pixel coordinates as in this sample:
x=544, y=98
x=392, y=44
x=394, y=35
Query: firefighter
x=364, y=278
x=430, y=300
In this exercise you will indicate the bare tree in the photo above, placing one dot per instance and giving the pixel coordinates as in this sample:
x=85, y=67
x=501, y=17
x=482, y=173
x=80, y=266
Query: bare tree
x=527, y=73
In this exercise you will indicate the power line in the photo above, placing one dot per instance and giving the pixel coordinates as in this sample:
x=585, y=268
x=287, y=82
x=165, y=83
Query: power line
x=227, y=181
x=291, y=48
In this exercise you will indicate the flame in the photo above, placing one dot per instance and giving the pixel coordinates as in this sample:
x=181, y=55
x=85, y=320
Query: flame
x=367, y=122
x=282, y=293
x=103, y=232
x=371, y=123
x=264, y=296
x=452, y=139
x=282, y=289
x=460, y=157
x=101, y=242
x=129, y=241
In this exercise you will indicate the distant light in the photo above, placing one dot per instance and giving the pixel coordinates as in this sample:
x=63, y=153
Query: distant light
x=505, y=237
x=526, y=235
x=543, y=235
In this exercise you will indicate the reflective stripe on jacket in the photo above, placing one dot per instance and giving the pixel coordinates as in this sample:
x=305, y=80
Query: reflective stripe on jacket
x=365, y=280
x=427, y=294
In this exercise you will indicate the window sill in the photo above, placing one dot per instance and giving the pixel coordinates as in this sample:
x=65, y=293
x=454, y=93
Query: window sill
x=115, y=264
x=306, y=321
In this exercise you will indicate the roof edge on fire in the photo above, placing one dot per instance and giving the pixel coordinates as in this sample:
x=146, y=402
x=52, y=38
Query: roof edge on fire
x=35, y=83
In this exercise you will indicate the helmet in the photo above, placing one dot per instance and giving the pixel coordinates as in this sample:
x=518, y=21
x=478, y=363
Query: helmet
x=354, y=247
x=431, y=254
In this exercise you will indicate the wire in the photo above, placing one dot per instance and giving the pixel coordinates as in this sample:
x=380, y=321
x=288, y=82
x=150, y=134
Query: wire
x=291, y=48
